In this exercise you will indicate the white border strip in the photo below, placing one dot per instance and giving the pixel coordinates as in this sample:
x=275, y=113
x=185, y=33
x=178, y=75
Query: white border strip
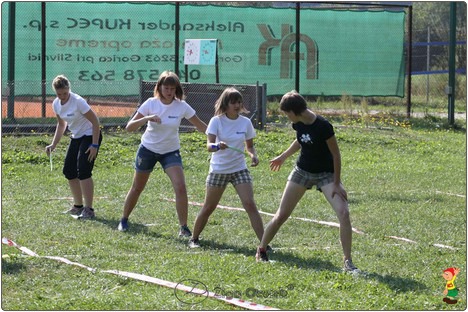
x=176, y=286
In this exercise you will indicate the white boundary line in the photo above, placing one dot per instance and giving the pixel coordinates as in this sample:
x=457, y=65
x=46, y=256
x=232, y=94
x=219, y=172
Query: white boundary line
x=334, y=224
x=176, y=286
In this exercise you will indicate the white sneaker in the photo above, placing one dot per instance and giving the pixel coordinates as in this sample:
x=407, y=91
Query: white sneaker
x=194, y=243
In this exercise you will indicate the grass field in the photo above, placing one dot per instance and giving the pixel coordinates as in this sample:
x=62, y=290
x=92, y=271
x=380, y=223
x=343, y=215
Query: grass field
x=404, y=179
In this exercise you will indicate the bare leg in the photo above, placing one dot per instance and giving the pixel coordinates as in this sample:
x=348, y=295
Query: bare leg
x=341, y=209
x=212, y=197
x=87, y=188
x=292, y=194
x=75, y=188
x=139, y=182
x=245, y=192
x=176, y=174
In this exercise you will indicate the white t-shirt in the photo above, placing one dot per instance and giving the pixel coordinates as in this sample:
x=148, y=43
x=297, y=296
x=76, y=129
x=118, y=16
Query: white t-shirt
x=234, y=133
x=164, y=137
x=73, y=113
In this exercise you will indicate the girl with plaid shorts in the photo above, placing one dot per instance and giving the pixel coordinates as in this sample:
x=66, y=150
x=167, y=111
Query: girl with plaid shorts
x=319, y=164
x=227, y=133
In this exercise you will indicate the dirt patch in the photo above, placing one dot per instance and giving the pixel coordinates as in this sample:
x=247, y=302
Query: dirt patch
x=28, y=109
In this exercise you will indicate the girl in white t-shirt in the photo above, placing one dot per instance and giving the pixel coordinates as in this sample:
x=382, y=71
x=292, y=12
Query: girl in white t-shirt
x=162, y=114
x=227, y=133
x=72, y=110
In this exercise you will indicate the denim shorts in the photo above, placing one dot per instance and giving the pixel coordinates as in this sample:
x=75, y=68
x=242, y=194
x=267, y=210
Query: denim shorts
x=146, y=160
x=222, y=179
x=308, y=179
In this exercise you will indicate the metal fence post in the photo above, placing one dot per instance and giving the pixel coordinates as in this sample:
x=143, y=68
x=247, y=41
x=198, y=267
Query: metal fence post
x=409, y=58
x=11, y=60
x=452, y=47
x=43, y=59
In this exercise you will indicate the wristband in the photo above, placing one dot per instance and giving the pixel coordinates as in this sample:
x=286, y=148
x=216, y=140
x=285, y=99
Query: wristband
x=94, y=145
x=215, y=146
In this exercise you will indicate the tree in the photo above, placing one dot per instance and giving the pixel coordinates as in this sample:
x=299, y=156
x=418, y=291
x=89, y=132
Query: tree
x=436, y=16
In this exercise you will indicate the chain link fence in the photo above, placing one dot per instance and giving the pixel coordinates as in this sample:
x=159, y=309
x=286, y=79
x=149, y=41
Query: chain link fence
x=111, y=79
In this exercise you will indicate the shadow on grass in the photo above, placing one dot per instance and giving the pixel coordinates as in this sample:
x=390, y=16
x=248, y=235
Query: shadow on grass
x=396, y=283
x=134, y=228
x=10, y=267
x=278, y=256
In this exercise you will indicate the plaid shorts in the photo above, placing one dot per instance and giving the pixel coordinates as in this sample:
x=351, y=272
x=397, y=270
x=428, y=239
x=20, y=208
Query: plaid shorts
x=222, y=179
x=308, y=179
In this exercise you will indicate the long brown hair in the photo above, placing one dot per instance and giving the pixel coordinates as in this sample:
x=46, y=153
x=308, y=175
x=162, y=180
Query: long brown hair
x=229, y=95
x=171, y=79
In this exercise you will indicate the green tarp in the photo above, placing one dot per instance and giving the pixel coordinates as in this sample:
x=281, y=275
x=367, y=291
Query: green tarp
x=106, y=48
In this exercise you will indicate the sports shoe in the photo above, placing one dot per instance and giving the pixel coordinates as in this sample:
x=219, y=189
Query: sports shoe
x=87, y=213
x=350, y=267
x=76, y=211
x=184, y=231
x=194, y=243
x=261, y=255
x=123, y=225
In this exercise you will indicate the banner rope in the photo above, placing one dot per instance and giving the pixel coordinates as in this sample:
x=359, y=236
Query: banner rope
x=153, y=280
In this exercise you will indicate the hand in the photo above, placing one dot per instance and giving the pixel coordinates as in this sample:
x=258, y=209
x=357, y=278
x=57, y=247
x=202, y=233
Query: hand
x=222, y=145
x=255, y=161
x=154, y=118
x=49, y=149
x=92, y=153
x=275, y=163
x=340, y=191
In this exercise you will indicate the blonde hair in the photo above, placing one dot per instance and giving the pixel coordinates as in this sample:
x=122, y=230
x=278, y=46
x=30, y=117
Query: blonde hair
x=171, y=79
x=229, y=95
x=61, y=82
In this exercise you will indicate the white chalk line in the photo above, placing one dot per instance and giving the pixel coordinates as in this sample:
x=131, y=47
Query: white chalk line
x=450, y=194
x=333, y=224
x=176, y=286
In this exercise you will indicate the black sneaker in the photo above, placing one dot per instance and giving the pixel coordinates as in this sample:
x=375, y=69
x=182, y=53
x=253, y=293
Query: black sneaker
x=74, y=211
x=123, y=225
x=184, y=231
x=87, y=213
x=261, y=255
x=350, y=267
x=194, y=243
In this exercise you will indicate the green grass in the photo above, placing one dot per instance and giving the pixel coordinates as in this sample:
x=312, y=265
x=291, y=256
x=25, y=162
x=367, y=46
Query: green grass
x=404, y=179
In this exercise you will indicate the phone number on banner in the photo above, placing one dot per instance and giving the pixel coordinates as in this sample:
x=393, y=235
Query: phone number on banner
x=129, y=74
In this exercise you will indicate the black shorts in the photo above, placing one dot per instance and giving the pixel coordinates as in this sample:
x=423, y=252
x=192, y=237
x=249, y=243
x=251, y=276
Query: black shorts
x=76, y=163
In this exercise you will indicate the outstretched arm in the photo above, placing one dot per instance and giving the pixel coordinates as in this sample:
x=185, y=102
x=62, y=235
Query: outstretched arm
x=275, y=163
x=198, y=123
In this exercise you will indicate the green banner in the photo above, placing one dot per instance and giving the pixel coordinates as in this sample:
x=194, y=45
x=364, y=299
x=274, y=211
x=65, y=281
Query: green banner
x=106, y=48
